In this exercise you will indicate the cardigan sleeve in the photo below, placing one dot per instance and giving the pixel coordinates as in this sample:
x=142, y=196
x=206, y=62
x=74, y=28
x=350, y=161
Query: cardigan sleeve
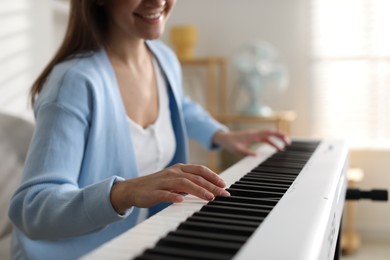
x=201, y=126
x=49, y=204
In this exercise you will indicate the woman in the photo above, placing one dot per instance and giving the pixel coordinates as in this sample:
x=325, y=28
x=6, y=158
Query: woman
x=111, y=130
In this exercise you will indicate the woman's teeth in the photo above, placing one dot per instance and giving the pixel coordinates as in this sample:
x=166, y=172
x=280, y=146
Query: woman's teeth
x=151, y=16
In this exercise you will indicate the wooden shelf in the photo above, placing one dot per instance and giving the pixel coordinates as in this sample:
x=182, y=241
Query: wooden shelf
x=278, y=115
x=216, y=69
x=281, y=119
x=216, y=94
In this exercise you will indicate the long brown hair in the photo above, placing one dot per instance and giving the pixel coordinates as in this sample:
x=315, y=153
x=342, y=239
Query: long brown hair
x=87, y=26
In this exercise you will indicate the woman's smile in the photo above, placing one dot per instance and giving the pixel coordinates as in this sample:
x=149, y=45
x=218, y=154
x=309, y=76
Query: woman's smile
x=151, y=17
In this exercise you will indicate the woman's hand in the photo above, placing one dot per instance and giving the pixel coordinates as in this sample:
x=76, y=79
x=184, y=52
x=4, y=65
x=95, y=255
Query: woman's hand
x=238, y=142
x=167, y=185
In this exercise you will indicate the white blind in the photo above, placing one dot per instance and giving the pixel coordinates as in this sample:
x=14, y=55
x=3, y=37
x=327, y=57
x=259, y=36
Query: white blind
x=351, y=70
x=25, y=47
x=16, y=60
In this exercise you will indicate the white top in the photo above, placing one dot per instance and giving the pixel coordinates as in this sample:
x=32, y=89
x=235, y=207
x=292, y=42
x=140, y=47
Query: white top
x=155, y=145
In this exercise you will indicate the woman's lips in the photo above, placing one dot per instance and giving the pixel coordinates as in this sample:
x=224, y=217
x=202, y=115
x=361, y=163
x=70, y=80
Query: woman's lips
x=151, y=17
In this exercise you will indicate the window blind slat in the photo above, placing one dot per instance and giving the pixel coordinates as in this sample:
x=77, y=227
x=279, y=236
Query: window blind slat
x=351, y=70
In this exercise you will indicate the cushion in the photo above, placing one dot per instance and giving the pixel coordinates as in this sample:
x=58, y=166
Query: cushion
x=15, y=136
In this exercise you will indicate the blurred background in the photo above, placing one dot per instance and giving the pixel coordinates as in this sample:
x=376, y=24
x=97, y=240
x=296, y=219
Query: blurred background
x=336, y=53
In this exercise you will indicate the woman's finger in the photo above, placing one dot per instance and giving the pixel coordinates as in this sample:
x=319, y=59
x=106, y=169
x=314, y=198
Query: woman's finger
x=168, y=196
x=274, y=144
x=282, y=137
x=204, y=172
x=200, y=181
x=180, y=185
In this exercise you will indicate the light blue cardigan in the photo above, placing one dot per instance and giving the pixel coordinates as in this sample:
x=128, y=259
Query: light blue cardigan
x=80, y=147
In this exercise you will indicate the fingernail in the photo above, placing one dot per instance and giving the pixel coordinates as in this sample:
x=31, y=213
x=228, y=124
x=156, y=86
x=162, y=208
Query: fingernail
x=179, y=198
x=221, y=183
x=225, y=193
x=209, y=196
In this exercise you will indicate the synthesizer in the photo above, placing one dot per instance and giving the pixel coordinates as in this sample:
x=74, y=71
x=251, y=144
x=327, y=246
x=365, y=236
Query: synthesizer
x=283, y=205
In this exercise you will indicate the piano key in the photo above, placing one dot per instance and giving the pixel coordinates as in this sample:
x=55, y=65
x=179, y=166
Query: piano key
x=257, y=187
x=197, y=218
x=292, y=158
x=267, y=179
x=283, y=164
x=209, y=235
x=187, y=253
x=216, y=228
x=240, y=204
x=276, y=170
x=235, y=210
x=298, y=150
x=219, y=215
x=303, y=145
x=292, y=155
x=199, y=244
x=265, y=183
x=258, y=201
x=158, y=256
x=255, y=194
x=283, y=158
x=279, y=176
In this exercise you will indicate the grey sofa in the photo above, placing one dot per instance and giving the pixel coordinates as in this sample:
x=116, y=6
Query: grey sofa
x=15, y=136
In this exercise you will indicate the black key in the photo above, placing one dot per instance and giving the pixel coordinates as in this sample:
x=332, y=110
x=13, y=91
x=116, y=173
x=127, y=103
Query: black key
x=199, y=244
x=188, y=253
x=240, y=223
x=285, y=159
x=279, y=176
x=276, y=170
x=257, y=187
x=208, y=235
x=147, y=255
x=229, y=216
x=303, y=145
x=235, y=210
x=267, y=179
x=216, y=228
x=293, y=155
x=264, y=183
x=254, y=194
x=257, y=201
x=238, y=204
x=282, y=164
